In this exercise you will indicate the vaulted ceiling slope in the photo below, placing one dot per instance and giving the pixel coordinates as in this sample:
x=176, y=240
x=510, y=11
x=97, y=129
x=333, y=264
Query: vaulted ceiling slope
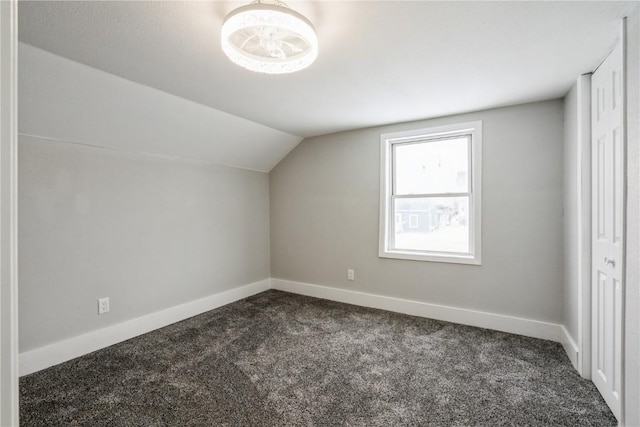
x=379, y=63
x=63, y=100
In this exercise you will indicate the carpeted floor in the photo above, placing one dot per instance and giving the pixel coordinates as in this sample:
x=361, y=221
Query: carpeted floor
x=278, y=359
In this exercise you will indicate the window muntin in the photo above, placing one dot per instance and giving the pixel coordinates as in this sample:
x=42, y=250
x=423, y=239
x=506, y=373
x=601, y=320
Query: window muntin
x=430, y=188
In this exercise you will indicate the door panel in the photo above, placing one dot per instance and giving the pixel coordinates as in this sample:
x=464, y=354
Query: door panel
x=618, y=157
x=602, y=280
x=601, y=184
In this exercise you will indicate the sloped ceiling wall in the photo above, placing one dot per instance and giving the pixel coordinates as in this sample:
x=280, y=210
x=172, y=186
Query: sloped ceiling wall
x=112, y=112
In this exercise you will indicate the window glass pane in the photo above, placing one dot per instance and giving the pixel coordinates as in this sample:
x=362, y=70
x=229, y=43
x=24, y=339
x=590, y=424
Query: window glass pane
x=432, y=167
x=438, y=224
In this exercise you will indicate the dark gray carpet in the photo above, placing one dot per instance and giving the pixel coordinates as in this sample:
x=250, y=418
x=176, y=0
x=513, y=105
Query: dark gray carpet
x=278, y=359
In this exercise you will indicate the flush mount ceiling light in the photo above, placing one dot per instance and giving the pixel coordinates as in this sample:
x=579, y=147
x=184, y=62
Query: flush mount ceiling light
x=269, y=38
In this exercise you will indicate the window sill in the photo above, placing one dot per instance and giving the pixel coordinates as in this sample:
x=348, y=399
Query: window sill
x=432, y=257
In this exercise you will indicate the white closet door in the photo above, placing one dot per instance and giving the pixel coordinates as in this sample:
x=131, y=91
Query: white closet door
x=608, y=154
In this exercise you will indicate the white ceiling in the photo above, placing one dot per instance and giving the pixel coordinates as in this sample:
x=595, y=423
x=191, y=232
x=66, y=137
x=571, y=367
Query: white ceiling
x=379, y=62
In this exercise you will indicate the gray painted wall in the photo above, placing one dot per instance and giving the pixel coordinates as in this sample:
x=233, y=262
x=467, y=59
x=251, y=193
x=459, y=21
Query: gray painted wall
x=148, y=232
x=571, y=249
x=632, y=320
x=324, y=217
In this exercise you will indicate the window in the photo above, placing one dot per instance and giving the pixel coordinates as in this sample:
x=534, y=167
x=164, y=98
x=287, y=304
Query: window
x=430, y=194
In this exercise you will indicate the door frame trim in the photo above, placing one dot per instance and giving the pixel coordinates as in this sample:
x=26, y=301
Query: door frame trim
x=9, y=411
x=623, y=382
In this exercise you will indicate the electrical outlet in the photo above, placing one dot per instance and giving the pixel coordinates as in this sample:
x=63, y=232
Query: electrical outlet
x=351, y=274
x=103, y=305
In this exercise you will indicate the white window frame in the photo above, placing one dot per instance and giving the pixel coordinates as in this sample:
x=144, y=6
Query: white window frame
x=387, y=218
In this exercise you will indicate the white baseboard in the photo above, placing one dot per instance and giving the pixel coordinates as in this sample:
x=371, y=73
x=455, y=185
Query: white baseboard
x=498, y=322
x=61, y=351
x=571, y=348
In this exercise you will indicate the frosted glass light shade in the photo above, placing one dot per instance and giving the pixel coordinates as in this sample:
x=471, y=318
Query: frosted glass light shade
x=268, y=38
